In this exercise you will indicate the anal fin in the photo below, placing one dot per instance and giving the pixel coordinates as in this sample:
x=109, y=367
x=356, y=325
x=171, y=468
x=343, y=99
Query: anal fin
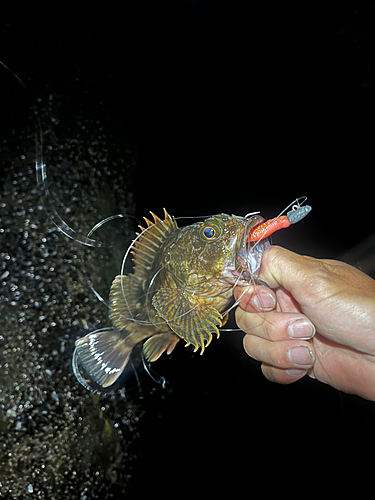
x=154, y=347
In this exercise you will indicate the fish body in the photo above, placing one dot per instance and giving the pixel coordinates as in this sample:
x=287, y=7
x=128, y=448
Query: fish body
x=182, y=283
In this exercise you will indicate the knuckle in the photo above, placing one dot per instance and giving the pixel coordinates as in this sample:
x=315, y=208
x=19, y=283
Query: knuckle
x=262, y=325
x=261, y=350
x=280, y=376
x=249, y=347
x=268, y=372
x=241, y=319
x=246, y=321
x=271, y=254
x=274, y=357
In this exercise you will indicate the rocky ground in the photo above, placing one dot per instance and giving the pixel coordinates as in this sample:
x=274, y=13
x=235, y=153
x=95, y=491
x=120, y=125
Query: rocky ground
x=56, y=439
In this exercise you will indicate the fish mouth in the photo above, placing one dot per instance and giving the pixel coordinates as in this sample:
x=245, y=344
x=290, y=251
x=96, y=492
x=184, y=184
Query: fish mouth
x=249, y=253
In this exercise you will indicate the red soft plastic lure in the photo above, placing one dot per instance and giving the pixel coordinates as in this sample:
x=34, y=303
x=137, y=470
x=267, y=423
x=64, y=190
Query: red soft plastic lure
x=265, y=229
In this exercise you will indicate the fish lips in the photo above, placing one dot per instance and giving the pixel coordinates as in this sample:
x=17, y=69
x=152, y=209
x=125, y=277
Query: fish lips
x=249, y=253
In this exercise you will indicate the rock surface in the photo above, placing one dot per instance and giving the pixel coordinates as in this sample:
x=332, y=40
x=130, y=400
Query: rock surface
x=56, y=439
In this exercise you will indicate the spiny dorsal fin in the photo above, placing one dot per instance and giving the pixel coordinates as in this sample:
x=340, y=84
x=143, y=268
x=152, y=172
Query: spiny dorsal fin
x=150, y=240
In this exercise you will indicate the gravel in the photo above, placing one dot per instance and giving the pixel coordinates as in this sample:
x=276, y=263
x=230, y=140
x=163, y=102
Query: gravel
x=58, y=440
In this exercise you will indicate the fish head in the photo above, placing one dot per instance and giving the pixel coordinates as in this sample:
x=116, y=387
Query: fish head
x=248, y=253
x=217, y=249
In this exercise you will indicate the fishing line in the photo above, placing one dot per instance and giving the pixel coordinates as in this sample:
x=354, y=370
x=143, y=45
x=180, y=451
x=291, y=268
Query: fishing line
x=158, y=379
x=41, y=173
x=193, y=217
x=295, y=204
x=13, y=74
x=78, y=374
x=88, y=241
x=246, y=266
x=137, y=379
x=122, y=273
x=42, y=184
x=90, y=233
x=295, y=207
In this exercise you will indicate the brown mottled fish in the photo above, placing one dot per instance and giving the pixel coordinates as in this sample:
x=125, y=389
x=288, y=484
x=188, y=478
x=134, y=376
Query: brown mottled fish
x=181, y=286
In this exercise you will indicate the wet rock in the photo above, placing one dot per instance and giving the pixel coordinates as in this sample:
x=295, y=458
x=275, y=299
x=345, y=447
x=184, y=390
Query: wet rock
x=56, y=439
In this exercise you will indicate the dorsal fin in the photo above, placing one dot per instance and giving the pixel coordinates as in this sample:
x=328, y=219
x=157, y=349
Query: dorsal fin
x=150, y=240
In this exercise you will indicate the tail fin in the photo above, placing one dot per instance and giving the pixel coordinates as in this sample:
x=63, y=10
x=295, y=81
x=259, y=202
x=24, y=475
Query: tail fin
x=103, y=355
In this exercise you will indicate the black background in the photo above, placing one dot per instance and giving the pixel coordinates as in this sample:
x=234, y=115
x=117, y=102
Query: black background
x=233, y=107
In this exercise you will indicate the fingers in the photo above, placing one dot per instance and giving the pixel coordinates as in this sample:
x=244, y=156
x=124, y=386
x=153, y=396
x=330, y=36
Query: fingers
x=280, y=376
x=280, y=342
x=278, y=339
x=284, y=354
x=336, y=297
x=261, y=298
x=275, y=325
x=283, y=362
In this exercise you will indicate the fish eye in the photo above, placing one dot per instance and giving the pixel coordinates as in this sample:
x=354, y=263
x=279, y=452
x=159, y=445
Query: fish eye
x=210, y=232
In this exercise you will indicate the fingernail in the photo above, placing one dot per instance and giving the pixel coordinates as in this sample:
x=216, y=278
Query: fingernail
x=301, y=356
x=296, y=372
x=301, y=328
x=263, y=301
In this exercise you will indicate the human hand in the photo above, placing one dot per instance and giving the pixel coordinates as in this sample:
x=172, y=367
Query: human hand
x=318, y=319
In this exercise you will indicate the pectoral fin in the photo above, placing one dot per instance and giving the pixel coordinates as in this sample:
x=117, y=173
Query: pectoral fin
x=189, y=317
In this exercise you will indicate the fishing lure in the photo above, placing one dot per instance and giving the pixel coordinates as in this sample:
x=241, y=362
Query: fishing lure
x=270, y=226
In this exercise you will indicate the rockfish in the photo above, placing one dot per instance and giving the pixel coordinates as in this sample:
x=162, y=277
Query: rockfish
x=181, y=286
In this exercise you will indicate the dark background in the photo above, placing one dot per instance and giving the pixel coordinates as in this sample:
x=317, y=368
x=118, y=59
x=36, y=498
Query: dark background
x=231, y=107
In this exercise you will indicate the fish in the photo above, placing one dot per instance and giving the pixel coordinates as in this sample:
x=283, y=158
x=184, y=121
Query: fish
x=179, y=289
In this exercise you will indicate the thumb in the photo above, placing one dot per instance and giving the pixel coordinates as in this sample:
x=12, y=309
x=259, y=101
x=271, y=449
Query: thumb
x=338, y=298
x=281, y=267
